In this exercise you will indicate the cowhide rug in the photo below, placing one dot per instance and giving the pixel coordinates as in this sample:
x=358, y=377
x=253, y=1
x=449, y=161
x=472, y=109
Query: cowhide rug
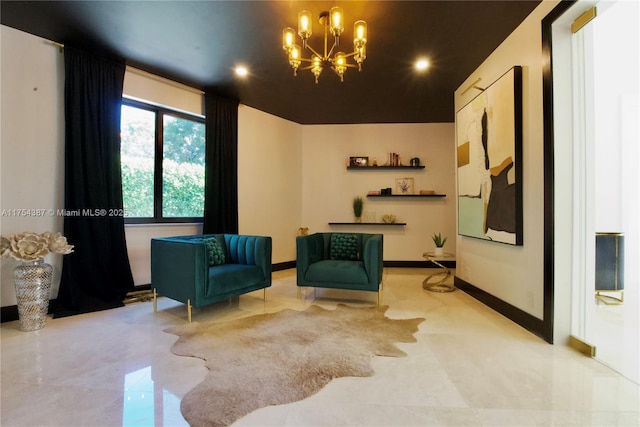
x=282, y=357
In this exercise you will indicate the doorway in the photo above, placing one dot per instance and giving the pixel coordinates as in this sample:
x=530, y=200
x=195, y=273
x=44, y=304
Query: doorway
x=599, y=183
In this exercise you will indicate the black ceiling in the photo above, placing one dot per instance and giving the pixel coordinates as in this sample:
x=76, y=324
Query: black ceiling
x=199, y=42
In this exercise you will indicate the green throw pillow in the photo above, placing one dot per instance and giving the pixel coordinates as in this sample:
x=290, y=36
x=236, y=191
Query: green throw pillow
x=344, y=247
x=214, y=250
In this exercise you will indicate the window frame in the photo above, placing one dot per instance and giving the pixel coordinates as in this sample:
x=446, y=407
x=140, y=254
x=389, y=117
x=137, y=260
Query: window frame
x=160, y=111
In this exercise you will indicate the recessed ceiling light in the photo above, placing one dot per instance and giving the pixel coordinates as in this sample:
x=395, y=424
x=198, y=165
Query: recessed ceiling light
x=422, y=64
x=241, y=71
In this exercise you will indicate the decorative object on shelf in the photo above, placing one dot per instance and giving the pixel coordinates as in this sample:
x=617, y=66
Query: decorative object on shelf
x=394, y=160
x=427, y=192
x=359, y=161
x=365, y=224
x=409, y=196
x=383, y=167
x=388, y=218
x=358, y=204
x=333, y=22
x=404, y=185
x=370, y=217
x=303, y=231
x=374, y=162
x=415, y=161
x=439, y=241
x=489, y=153
x=385, y=191
x=32, y=279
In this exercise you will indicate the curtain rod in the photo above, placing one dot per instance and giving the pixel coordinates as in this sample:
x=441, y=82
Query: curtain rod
x=56, y=44
x=145, y=74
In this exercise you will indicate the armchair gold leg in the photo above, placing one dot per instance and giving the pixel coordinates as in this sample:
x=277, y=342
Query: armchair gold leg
x=265, y=295
x=380, y=295
x=189, y=310
x=299, y=293
x=155, y=301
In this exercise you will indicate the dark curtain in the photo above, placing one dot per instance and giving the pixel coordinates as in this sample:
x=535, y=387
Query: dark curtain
x=97, y=275
x=221, y=170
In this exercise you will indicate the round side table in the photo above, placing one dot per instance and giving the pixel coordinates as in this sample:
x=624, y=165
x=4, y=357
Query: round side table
x=438, y=285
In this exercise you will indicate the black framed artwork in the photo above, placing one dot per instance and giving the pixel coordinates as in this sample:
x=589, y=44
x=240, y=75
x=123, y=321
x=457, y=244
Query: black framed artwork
x=489, y=162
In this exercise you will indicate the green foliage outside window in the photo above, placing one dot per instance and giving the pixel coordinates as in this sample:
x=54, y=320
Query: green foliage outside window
x=183, y=152
x=137, y=186
x=182, y=189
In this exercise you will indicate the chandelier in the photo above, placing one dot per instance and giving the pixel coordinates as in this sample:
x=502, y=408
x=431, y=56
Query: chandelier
x=333, y=23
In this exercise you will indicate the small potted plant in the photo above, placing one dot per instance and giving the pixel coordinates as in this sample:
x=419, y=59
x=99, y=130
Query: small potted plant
x=358, y=204
x=439, y=241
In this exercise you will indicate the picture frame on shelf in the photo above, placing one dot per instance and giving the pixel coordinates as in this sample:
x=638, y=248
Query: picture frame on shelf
x=404, y=186
x=360, y=161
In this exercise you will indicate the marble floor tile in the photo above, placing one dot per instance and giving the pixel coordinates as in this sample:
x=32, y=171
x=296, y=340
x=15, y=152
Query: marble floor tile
x=469, y=366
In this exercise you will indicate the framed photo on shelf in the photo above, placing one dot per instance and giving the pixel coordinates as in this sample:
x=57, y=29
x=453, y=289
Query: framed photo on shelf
x=358, y=161
x=404, y=186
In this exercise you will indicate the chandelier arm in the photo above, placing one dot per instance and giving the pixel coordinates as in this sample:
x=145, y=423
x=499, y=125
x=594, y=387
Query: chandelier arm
x=330, y=54
x=326, y=34
x=314, y=52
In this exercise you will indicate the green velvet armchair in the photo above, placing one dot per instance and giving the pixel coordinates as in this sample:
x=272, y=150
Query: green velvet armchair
x=340, y=261
x=204, y=269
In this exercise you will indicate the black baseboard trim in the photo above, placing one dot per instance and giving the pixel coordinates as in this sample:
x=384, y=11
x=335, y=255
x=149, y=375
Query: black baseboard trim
x=398, y=264
x=283, y=265
x=522, y=318
x=9, y=313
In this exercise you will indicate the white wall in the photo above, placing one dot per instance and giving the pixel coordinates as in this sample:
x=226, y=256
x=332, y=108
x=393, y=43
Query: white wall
x=514, y=273
x=32, y=144
x=270, y=179
x=329, y=188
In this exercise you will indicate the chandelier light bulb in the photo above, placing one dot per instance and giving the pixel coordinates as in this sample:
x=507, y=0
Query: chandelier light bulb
x=288, y=38
x=294, y=58
x=360, y=56
x=336, y=15
x=340, y=65
x=316, y=67
x=304, y=24
x=359, y=34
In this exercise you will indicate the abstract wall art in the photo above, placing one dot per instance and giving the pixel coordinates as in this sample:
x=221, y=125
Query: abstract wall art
x=489, y=157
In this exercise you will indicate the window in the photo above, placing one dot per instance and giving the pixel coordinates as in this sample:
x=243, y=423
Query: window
x=162, y=164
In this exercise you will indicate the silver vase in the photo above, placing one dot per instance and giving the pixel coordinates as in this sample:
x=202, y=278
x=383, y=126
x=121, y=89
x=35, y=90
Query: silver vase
x=32, y=281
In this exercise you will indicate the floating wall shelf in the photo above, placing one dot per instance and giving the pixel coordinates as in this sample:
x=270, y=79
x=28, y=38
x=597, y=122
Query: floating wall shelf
x=367, y=223
x=383, y=167
x=406, y=195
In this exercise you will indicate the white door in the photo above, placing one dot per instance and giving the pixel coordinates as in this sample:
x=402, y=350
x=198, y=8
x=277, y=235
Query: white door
x=606, y=184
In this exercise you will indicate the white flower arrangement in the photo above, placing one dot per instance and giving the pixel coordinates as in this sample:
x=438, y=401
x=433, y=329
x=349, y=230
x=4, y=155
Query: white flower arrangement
x=30, y=246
